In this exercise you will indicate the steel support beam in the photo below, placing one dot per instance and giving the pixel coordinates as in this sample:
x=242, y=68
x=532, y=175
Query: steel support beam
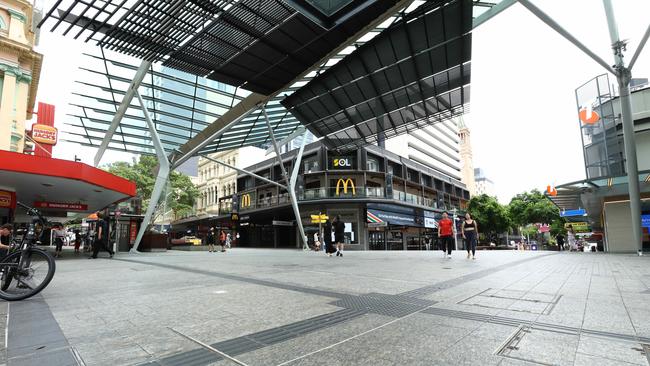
x=492, y=12
x=121, y=110
x=299, y=131
x=290, y=181
x=644, y=39
x=292, y=191
x=275, y=146
x=564, y=33
x=235, y=114
x=161, y=178
x=623, y=76
x=245, y=172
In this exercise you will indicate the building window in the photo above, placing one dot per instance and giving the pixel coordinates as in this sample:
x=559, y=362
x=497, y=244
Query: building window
x=372, y=164
x=311, y=164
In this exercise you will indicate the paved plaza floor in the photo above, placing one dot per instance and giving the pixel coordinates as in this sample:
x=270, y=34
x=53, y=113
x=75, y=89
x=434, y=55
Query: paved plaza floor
x=285, y=307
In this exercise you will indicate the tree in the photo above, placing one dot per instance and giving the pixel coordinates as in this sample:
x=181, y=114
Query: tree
x=491, y=216
x=181, y=194
x=532, y=207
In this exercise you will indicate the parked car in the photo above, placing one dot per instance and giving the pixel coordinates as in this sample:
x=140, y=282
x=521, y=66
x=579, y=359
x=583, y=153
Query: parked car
x=191, y=240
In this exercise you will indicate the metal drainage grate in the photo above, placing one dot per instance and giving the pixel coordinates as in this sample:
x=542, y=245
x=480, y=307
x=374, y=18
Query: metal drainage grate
x=382, y=305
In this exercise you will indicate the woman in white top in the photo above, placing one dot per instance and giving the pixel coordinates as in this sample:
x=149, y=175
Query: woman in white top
x=571, y=238
x=316, y=241
x=59, y=237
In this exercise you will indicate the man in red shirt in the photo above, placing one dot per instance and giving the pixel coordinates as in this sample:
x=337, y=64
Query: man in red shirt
x=445, y=233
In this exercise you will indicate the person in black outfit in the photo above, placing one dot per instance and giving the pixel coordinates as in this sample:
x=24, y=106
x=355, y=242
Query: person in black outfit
x=101, y=243
x=560, y=241
x=327, y=238
x=5, y=238
x=339, y=235
x=210, y=240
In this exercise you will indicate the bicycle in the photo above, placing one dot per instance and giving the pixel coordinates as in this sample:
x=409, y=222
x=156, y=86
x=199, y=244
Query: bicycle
x=26, y=270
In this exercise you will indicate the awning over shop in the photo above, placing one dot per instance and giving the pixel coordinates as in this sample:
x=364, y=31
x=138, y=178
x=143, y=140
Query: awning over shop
x=590, y=194
x=61, y=185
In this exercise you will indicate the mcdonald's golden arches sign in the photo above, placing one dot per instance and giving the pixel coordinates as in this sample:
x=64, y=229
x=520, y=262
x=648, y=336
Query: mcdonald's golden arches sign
x=345, y=183
x=245, y=200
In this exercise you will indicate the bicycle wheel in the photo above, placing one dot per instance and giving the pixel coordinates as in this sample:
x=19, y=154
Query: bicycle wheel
x=24, y=274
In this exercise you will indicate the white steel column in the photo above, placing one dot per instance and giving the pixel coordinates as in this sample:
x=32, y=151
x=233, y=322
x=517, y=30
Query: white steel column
x=124, y=105
x=291, y=183
x=161, y=178
x=623, y=76
x=292, y=190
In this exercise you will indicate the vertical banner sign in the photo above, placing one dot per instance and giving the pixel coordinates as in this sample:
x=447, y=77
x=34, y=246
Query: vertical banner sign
x=133, y=231
x=235, y=203
x=45, y=128
x=389, y=185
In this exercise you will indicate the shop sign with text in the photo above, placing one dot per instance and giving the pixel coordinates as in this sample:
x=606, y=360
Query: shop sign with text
x=61, y=206
x=44, y=134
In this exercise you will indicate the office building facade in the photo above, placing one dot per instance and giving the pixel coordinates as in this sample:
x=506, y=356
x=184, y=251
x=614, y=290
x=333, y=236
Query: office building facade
x=20, y=69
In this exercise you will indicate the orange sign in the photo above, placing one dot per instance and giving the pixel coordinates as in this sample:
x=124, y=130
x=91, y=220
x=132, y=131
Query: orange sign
x=44, y=134
x=6, y=199
x=551, y=191
x=588, y=116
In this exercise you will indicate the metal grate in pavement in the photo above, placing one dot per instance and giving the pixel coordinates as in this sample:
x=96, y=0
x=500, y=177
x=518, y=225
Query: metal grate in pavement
x=253, y=341
x=514, y=322
x=383, y=304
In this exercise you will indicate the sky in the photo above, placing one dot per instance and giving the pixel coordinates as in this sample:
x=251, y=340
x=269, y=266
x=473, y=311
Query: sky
x=523, y=118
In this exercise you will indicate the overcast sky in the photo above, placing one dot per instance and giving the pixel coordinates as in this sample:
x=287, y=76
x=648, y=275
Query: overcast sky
x=523, y=117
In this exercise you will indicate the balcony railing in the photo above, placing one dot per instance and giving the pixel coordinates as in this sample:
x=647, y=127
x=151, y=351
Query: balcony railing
x=340, y=193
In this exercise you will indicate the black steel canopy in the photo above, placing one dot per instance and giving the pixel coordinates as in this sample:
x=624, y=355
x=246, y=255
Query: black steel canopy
x=258, y=45
x=413, y=74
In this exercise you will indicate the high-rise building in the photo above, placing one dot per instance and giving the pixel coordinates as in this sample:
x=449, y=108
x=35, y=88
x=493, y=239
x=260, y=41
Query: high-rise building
x=467, y=164
x=20, y=69
x=436, y=146
x=483, y=184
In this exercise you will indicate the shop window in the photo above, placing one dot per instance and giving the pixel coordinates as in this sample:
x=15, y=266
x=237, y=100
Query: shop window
x=311, y=165
x=372, y=164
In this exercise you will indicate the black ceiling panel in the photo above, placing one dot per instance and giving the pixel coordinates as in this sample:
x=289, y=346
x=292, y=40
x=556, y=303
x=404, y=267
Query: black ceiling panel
x=413, y=74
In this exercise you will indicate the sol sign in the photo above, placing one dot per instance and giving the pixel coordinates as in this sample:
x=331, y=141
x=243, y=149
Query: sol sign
x=44, y=134
x=342, y=163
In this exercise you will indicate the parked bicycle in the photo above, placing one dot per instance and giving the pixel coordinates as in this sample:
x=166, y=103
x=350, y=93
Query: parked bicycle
x=26, y=269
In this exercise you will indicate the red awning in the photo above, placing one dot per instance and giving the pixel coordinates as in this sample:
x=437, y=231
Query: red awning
x=43, y=179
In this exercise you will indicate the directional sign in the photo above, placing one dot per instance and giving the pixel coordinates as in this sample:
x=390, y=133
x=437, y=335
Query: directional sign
x=319, y=219
x=569, y=213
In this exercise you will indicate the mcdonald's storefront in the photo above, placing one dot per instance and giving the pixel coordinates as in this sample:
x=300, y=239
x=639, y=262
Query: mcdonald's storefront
x=386, y=201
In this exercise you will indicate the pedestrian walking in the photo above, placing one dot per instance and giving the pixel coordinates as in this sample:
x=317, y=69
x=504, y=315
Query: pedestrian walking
x=222, y=240
x=59, y=239
x=228, y=240
x=445, y=233
x=427, y=243
x=560, y=242
x=327, y=238
x=210, y=239
x=469, y=229
x=339, y=235
x=101, y=242
x=316, y=241
x=77, y=240
x=571, y=238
